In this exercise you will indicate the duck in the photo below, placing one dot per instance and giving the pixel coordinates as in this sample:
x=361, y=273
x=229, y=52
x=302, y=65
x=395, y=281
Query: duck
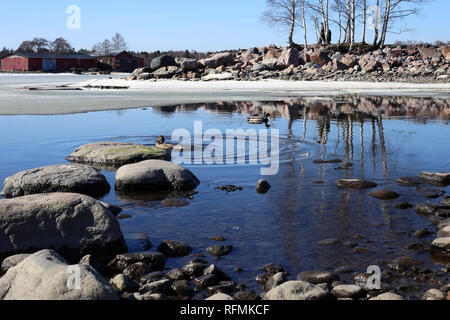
x=161, y=143
x=259, y=119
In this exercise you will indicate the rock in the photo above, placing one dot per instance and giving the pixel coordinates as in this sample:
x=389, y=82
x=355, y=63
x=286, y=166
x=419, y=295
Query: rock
x=259, y=67
x=263, y=186
x=405, y=263
x=355, y=184
x=403, y=205
x=389, y=296
x=219, y=250
x=217, y=60
x=208, y=280
x=422, y=233
x=276, y=280
x=161, y=286
x=347, y=291
x=442, y=244
x=349, y=61
x=145, y=76
x=430, y=192
x=13, y=261
x=219, y=76
x=74, y=225
x=384, y=194
x=167, y=72
x=409, y=181
x=289, y=57
x=247, y=296
x=124, y=283
x=149, y=297
x=174, y=248
x=227, y=287
x=319, y=57
x=182, y=289
x=218, y=239
x=213, y=269
x=442, y=233
x=429, y=52
x=155, y=260
x=139, y=71
x=116, y=154
x=344, y=269
x=220, y=297
x=155, y=175
x=296, y=290
x=436, y=178
x=151, y=277
x=193, y=270
x=45, y=275
x=263, y=278
x=162, y=61
x=137, y=270
x=175, y=274
x=273, y=268
x=114, y=209
x=329, y=242
x=426, y=208
x=317, y=277
x=188, y=64
x=433, y=294
x=75, y=178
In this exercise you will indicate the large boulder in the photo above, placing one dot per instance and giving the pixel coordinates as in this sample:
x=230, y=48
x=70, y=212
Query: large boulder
x=45, y=275
x=219, y=59
x=140, y=71
x=289, y=57
x=167, y=72
x=74, y=225
x=162, y=61
x=440, y=178
x=319, y=57
x=155, y=175
x=116, y=154
x=446, y=53
x=429, y=52
x=188, y=64
x=296, y=290
x=74, y=178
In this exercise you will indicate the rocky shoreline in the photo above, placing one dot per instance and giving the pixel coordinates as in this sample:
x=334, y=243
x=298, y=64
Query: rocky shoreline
x=406, y=64
x=45, y=227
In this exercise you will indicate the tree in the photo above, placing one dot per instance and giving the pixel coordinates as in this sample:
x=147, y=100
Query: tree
x=40, y=45
x=284, y=14
x=61, y=46
x=26, y=47
x=364, y=4
x=118, y=43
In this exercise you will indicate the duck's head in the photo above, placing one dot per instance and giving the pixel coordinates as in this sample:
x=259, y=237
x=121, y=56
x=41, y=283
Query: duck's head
x=160, y=140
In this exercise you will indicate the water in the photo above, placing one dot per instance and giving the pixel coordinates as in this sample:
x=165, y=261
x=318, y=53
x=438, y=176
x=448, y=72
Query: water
x=384, y=137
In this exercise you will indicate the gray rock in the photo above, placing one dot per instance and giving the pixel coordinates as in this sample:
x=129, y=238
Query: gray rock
x=442, y=233
x=426, y=208
x=433, y=294
x=155, y=175
x=219, y=250
x=149, y=297
x=124, y=283
x=384, y=194
x=193, y=270
x=442, y=244
x=139, y=71
x=156, y=260
x=409, y=181
x=145, y=76
x=355, y=184
x=220, y=297
x=296, y=290
x=167, y=72
x=116, y=154
x=75, y=178
x=276, y=280
x=259, y=67
x=161, y=286
x=389, y=296
x=441, y=178
x=74, y=225
x=188, y=64
x=137, y=270
x=182, y=289
x=174, y=248
x=347, y=291
x=13, y=261
x=215, y=270
x=217, y=60
x=208, y=280
x=263, y=186
x=175, y=274
x=45, y=275
x=317, y=277
x=162, y=61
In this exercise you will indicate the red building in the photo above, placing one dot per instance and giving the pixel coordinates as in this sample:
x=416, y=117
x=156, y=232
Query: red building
x=121, y=61
x=47, y=62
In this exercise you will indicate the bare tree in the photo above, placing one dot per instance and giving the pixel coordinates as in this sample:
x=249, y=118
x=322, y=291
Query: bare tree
x=364, y=22
x=118, y=43
x=376, y=23
x=26, y=46
x=284, y=14
x=61, y=46
x=41, y=45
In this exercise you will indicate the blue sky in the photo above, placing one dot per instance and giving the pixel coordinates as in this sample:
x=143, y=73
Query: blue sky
x=203, y=25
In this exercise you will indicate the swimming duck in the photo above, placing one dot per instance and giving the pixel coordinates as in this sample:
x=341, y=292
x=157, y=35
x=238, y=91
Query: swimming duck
x=161, y=143
x=259, y=119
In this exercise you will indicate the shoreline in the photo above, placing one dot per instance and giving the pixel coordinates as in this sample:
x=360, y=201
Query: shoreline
x=140, y=94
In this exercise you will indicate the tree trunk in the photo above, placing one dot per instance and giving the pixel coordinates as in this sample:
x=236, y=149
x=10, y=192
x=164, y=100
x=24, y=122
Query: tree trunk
x=364, y=22
x=305, y=39
x=353, y=25
x=385, y=23
x=347, y=29
x=377, y=24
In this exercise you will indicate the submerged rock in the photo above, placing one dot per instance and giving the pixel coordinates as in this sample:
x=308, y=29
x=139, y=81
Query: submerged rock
x=426, y=208
x=74, y=225
x=384, y=194
x=116, y=154
x=441, y=178
x=155, y=175
x=263, y=186
x=75, y=178
x=317, y=276
x=174, y=248
x=327, y=161
x=45, y=276
x=355, y=184
x=219, y=250
x=403, y=205
x=409, y=181
x=296, y=290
